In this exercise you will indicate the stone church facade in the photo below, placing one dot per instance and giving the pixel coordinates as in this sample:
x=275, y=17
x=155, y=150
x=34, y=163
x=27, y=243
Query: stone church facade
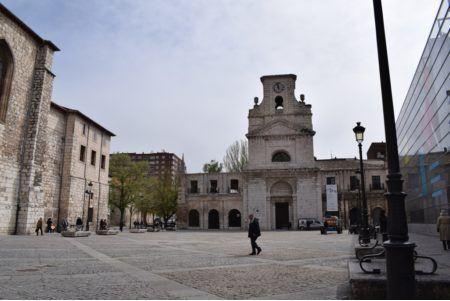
x=41, y=171
x=282, y=181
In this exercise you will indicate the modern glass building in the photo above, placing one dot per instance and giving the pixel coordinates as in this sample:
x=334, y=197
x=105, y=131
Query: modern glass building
x=423, y=130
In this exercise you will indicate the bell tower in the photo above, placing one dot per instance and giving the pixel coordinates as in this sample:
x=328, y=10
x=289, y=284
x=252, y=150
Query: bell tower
x=280, y=132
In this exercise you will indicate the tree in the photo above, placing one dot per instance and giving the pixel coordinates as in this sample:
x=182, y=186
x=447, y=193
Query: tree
x=236, y=157
x=125, y=185
x=212, y=166
x=144, y=201
x=164, y=195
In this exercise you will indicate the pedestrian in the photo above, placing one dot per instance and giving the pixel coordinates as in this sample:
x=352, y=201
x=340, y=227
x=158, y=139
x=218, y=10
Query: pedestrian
x=49, y=225
x=64, y=224
x=443, y=227
x=39, y=227
x=253, y=233
x=103, y=225
x=79, y=224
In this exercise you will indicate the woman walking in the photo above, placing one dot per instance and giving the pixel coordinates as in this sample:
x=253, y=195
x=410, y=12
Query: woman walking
x=443, y=227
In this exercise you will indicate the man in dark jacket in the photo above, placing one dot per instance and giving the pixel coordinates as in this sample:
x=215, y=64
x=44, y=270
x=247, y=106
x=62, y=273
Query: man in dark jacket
x=253, y=233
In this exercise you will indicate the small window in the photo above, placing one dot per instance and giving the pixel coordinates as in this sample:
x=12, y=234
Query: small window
x=376, y=182
x=83, y=153
x=95, y=136
x=194, y=186
x=354, y=182
x=331, y=180
x=84, y=129
x=279, y=103
x=234, y=186
x=103, y=162
x=281, y=157
x=93, y=157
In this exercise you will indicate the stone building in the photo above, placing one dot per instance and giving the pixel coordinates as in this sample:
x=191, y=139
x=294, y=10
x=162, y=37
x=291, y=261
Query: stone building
x=282, y=181
x=76, y=161
x=39, y=141
x=159, y=162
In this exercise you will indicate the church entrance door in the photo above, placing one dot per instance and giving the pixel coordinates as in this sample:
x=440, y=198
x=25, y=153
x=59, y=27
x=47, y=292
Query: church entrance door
x=282, y=215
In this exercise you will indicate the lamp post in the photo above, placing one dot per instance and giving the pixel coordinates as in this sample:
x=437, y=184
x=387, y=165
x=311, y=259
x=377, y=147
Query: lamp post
x=364, y=237
x=359, y=203
x=399, y=250
x=90, y=194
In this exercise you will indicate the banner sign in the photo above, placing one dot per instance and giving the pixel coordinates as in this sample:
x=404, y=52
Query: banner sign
x=332, y=198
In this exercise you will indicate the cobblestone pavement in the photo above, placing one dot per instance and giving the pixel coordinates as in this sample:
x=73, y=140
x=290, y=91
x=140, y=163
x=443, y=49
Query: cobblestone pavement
x=176, y=265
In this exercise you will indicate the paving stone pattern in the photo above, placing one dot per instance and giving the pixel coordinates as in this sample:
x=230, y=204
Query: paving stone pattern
x=175, y=265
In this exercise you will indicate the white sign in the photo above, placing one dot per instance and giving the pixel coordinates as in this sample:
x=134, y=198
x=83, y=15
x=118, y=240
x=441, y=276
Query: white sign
x=332, y=198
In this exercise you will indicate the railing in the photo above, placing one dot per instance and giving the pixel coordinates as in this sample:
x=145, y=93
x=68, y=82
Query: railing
x=379, y=186
x=215, y=190
x=233, y=190
x=193, y=190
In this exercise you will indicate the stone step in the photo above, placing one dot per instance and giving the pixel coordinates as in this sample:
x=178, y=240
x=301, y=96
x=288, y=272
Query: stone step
x=107, y=232
x=75, y=233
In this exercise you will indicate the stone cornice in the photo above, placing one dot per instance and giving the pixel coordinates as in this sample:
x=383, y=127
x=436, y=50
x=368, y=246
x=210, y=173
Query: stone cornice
x=290, y=172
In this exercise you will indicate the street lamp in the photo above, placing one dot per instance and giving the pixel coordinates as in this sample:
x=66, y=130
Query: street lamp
x=399, y=250
x=364, y=236
x=90, y=194
x=359, y=203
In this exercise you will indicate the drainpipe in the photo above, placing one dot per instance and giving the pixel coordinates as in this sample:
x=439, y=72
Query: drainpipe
x=85, y=168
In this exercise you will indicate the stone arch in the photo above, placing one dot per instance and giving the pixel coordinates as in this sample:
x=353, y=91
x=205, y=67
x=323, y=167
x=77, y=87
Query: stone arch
x=213, y=219
x=234, y=218
x=194, y=218
x=279, y=103
x=281, y=189
x=376, y=214
x=281, y=156
x=6, y=74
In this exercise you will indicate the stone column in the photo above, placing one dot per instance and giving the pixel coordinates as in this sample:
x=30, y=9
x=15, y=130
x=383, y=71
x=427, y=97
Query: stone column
x=31, y=203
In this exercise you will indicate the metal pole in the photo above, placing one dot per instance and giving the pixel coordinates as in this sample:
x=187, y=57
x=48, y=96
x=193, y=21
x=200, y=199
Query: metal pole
x=399, y=251
x=364, y=236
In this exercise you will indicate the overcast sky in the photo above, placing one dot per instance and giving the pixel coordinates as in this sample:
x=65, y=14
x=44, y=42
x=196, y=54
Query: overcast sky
x=181, y=75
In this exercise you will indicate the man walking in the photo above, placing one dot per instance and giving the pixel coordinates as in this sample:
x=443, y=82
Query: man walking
x=39, y=227
x=253, y=233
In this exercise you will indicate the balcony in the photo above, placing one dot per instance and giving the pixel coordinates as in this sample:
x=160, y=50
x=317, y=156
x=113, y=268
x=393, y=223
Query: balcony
x=233, y=190
x=215, y=190
x=376, y=187
x=193, y=190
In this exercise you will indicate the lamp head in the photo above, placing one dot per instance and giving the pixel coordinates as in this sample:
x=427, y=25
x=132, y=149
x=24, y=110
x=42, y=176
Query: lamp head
x=359, y=132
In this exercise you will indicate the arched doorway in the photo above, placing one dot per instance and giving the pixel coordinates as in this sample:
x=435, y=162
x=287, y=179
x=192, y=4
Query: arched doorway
x=194, y=218
x=234, y=218
x=354, y=216
x=376, y=214
x=213, y=219
x=281, y=196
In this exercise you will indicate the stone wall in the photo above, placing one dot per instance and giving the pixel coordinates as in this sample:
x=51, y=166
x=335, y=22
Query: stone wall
x=53, y=163
x=22, y=136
